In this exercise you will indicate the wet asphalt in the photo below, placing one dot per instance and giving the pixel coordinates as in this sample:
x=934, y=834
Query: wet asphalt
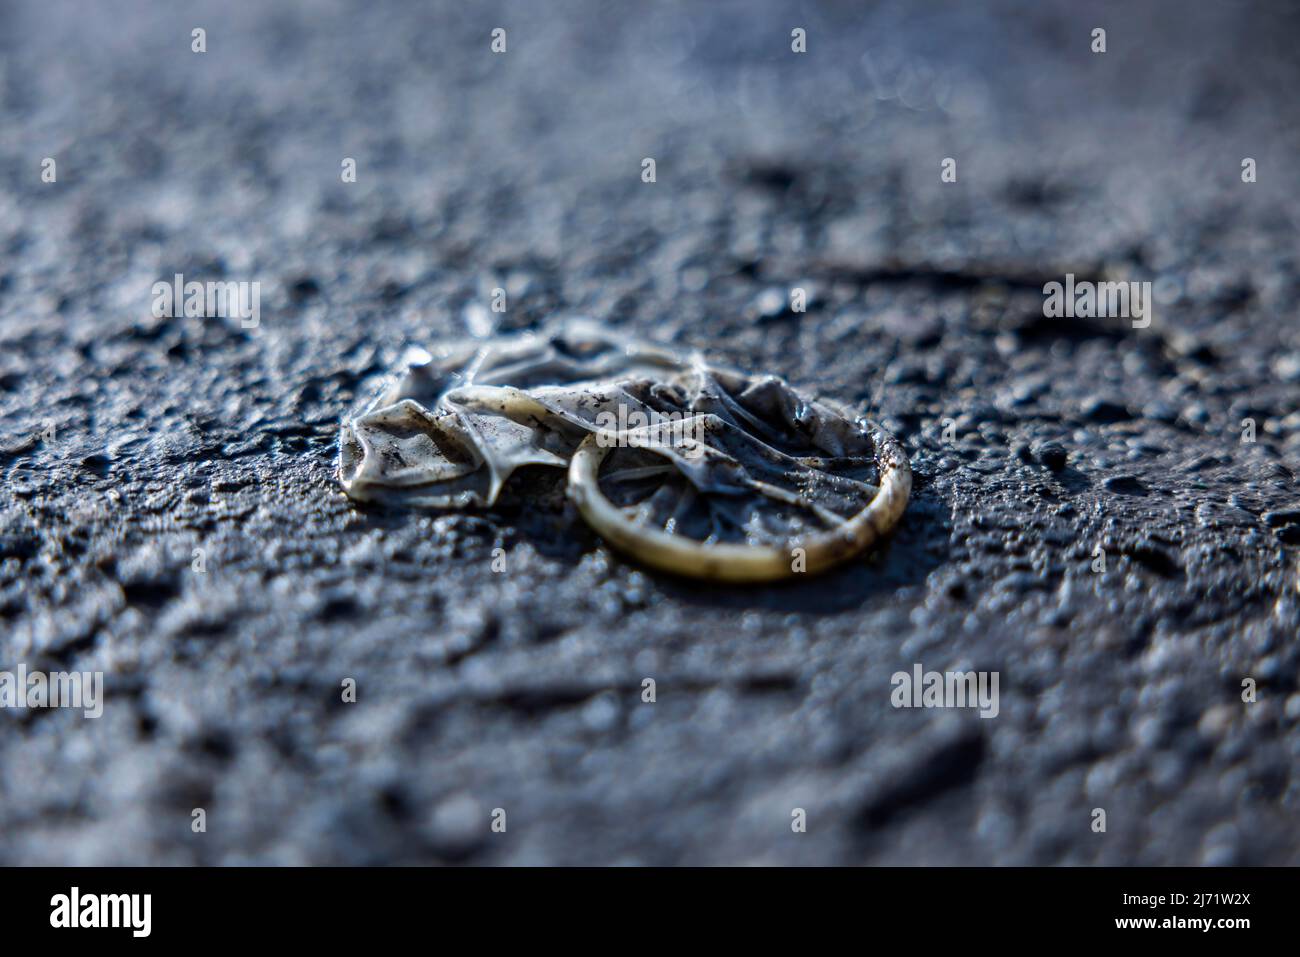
x=169, y=513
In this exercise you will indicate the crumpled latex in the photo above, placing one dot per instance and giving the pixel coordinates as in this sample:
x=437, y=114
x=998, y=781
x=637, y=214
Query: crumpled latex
x=455, y=425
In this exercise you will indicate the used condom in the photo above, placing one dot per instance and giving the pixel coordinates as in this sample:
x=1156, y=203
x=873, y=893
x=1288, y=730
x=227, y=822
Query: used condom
x=687, y=467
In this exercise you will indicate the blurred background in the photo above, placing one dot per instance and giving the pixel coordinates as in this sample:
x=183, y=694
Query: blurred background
x=522, y=170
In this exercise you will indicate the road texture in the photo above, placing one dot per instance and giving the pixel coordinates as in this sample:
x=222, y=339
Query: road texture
x=169, y=513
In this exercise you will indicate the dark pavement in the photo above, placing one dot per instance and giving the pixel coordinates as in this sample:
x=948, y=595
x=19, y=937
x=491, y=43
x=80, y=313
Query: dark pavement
x=127, y=441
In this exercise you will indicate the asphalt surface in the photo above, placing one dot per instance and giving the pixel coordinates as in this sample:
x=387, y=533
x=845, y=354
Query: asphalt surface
x=128, y=441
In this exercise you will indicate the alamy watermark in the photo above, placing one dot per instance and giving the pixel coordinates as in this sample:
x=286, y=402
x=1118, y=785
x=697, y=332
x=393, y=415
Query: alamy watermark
x=1098, y=300
x=946, y=689
x=133, y=912
x=230, y=300
x=57, y=689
